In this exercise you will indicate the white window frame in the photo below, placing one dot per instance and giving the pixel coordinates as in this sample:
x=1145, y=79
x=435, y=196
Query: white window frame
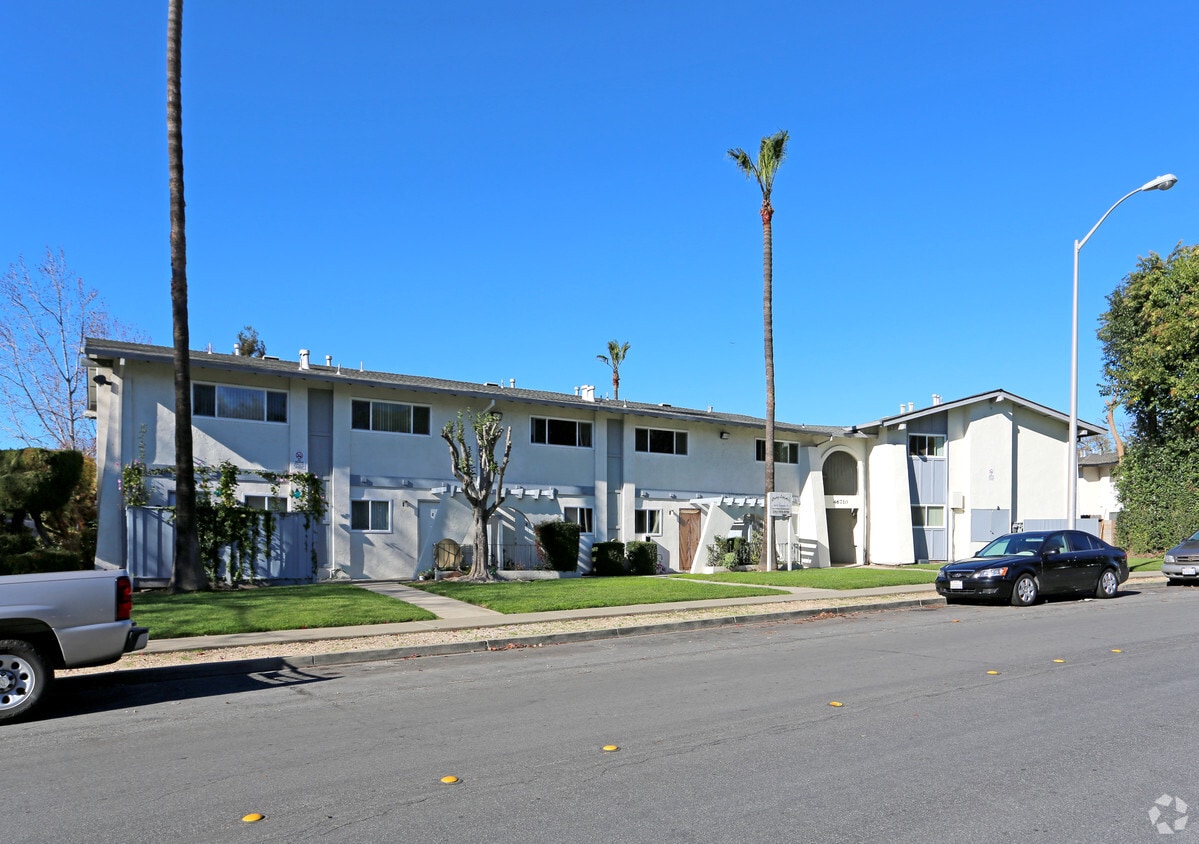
x=412, y=408
x=216, y=402
x=791, y=447
x=547, y=420
x=584, y=517
x=371, y=511
x=649, y=435
x=268, y=503
x=651, y=521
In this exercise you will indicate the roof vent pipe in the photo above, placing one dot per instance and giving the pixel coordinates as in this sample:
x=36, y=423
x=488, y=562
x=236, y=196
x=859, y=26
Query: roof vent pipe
x=576, y=391
x=911, y=407
x=303, y=358
x=237, y=348
x=902, y=407
x=936, y=398
x=512, y=383
x=328, y=360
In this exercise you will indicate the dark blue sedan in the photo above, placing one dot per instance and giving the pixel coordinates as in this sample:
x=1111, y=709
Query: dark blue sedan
x=1020, y=567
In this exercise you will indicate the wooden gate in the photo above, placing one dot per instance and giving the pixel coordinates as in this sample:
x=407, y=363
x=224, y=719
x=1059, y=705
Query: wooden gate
x=689, y=528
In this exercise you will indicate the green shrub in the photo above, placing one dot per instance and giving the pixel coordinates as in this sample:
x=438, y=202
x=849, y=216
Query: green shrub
x=642, y=557
x=608, y=559
x=558, y=544
x=41, y=560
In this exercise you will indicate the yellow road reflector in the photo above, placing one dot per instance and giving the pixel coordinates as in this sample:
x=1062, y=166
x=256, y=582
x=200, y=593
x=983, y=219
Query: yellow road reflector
x=992, y=672
x=253, y=817
x=1059, y=660
x=835, y=703
x=450, y=780
x=1117, y=651
x=611, y=748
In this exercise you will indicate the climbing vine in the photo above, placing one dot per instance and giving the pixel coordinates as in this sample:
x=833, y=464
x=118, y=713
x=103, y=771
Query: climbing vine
x=227, y=526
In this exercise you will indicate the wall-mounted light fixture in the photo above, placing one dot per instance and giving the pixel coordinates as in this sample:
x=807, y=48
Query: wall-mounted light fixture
x=102, y=380
x=724, y=435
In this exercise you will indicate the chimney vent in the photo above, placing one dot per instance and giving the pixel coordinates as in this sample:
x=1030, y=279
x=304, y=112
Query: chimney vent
x=237, y=349
x=328, y=360
x=303, y=359
x=588, y=391
x=911, y=407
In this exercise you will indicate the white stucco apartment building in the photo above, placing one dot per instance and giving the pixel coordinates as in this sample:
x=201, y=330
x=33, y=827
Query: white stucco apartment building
x=929, y=483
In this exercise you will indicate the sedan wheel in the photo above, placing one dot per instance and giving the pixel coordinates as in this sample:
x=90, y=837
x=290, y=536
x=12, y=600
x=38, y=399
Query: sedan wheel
x=1108, y=585
x=1024, y=592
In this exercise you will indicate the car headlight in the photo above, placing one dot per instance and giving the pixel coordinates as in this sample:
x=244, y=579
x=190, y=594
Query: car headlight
x=985, y=573
x=1169, y=559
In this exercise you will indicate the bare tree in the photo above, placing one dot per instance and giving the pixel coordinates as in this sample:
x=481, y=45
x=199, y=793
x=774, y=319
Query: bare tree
x=188, y=574
x=480, y=475
x=44, y=319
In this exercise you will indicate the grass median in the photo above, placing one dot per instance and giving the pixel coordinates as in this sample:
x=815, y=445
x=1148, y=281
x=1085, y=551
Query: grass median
x=831, y=578
x=266, y=608
x=586, y=593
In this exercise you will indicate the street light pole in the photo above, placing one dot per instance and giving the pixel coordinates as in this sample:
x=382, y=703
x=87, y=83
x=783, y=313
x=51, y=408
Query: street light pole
x=1160, y=183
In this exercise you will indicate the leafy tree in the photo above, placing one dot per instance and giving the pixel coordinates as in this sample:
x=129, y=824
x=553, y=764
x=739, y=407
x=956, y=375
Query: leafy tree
x=188, y=573
x=248, y=343
x=770, y=157
x=1150, y=336
x=480, y=475
x=45, y=316
x=615, y=357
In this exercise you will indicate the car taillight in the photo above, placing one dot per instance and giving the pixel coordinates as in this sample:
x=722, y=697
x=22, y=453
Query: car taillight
x=124, y=598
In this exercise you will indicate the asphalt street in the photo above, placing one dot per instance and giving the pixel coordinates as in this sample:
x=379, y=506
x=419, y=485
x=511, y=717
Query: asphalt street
x=725, y=734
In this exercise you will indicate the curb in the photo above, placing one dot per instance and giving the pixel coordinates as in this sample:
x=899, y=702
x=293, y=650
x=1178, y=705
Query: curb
x=299, y=663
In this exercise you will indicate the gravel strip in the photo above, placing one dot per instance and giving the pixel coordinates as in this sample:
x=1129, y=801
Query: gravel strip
x=134, y=661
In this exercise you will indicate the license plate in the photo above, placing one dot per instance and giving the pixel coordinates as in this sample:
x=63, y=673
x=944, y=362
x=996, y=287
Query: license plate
x=1190, y=571
x=956, y=584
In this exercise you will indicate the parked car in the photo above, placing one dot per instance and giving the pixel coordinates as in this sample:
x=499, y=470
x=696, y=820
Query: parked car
x=1020, y=567
x=1182, y=562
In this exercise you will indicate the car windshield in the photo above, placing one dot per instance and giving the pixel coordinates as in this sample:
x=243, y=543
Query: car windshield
x=1194, y=538
x=1013, y=544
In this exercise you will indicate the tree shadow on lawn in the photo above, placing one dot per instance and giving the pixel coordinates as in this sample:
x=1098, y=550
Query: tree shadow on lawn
x=104, y=692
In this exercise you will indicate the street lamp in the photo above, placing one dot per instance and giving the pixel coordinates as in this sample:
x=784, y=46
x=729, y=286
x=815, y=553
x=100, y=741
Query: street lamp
x=1160, y=183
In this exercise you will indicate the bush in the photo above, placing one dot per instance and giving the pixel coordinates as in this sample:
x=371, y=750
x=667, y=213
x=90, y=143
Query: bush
x=558, y=544
x=41, y=560
x=642, y=557
x=607, y=559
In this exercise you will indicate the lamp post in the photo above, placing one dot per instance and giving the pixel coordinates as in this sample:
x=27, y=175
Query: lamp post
x=1160, y=183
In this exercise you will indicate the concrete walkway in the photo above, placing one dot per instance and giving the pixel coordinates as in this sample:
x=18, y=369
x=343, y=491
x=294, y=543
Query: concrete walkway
x=457, y=615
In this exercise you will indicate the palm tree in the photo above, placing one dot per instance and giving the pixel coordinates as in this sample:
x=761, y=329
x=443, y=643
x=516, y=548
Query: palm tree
x=770, y=157
x=188, y=572
x=615, y=357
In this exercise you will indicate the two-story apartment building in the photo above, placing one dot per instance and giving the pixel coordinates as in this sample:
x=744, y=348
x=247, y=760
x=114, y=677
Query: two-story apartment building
x=927, y=483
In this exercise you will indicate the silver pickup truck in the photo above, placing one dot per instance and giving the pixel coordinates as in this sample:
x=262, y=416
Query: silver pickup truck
x=69, y=619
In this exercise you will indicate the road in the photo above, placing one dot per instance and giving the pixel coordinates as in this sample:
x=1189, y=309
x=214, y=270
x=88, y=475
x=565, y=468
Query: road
x=724, y=735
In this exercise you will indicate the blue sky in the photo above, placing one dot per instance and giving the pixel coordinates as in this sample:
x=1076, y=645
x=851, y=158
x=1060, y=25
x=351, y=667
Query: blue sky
x=486, y=191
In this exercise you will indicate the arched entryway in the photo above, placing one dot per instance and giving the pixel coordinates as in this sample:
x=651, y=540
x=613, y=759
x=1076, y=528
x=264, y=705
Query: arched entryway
x=840, y=473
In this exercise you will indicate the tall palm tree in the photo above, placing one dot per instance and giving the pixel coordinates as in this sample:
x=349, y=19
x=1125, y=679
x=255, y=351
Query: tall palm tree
x=770, y=158
x=614, y=358
x=188, y=572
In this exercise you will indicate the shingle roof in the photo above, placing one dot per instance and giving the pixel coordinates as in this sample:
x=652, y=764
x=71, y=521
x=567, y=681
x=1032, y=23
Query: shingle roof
x=98, y=349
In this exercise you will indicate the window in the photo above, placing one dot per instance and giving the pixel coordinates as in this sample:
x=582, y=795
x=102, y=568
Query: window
x=372, y=516
x=225, y=402
x=560, y=432
x=582, y=517
x=657, y=441
x=647, y=522
x=926, y=445
x=392, y=417
x=783, y=452
x=931, y=517
x=270, y=503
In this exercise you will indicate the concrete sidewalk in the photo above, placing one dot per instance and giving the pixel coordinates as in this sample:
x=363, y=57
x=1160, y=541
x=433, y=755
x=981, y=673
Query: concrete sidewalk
x=458, y=615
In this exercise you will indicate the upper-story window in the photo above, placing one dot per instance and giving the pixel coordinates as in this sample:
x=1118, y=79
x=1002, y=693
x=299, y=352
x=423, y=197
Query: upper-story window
x=227, y=402
x=783, y=452
x=926, y=445
x=658, y=441
x=560, y=432
x=393, y=417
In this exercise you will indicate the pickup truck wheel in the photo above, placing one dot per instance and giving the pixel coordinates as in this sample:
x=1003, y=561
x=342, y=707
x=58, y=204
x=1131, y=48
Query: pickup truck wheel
x=24, y=676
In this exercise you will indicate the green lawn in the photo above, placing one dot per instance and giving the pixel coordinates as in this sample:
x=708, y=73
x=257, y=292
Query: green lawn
x=832, y=578
x=267, y=608
x=1145, y=563
x=584, y=593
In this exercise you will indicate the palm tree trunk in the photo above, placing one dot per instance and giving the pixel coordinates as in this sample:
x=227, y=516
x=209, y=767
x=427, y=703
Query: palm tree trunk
x=768, y=342
x=188, y=572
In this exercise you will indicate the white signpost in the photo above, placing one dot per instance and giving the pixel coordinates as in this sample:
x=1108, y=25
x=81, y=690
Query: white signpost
x=778, y=506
